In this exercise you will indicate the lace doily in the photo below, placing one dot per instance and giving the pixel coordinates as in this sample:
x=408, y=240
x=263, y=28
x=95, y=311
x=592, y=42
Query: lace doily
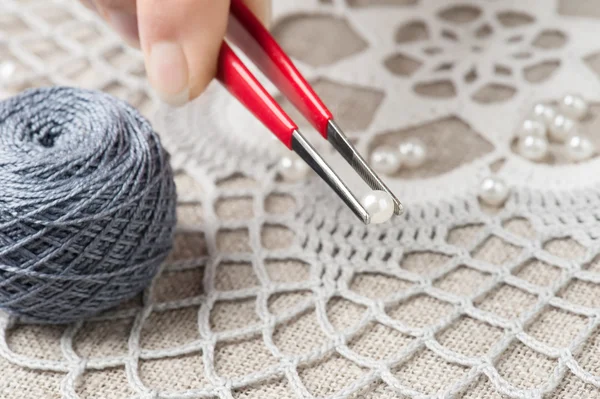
x=274, y=290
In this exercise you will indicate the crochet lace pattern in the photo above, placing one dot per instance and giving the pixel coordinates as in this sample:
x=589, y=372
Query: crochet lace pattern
x=275, y=291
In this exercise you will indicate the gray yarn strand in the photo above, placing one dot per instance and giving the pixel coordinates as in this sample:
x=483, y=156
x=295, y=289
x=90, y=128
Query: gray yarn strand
x=87, y=204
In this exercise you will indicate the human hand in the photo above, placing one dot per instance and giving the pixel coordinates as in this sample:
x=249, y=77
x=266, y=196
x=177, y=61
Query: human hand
x=180, y=39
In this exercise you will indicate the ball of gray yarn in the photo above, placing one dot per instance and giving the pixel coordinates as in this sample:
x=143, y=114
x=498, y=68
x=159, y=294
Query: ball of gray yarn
x=87, y=204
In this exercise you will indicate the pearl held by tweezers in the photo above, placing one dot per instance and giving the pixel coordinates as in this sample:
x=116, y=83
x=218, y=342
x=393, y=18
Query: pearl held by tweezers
x=493, y=191
x=379, y=205
x=579, y=148
x=385, y=159
x=574, y=106
x=533, y=148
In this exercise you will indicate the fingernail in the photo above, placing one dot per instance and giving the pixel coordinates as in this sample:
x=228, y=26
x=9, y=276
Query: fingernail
x=168, y=72
x=126, y=25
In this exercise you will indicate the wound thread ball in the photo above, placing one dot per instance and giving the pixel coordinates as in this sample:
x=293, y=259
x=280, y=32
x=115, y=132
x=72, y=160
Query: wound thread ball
x=87, y=204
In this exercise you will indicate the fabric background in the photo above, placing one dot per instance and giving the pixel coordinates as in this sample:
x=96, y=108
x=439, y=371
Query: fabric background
x=274, y=291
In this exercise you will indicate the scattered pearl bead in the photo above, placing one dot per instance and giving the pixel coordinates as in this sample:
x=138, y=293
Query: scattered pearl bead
x=380, y=206
x=561, y=128
x=532, y=127
x=412, y=153
x=579, y=148
x=385, y=159
x=543, y=113
x=574, y=106
x=533, y=147
x=7, y=70
x=293, y=168
x=493, y=191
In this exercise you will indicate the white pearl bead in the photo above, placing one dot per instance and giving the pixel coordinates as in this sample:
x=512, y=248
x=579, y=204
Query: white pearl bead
x=493, y=191
x=532, y=127
x=380, y=206
x=533, y=147
x=413, y=153
x=574, y=106
x=543, y=113
x=385, y=159
x=579, y=148
x=293, y=168
x=7, y=70
x=561, y=128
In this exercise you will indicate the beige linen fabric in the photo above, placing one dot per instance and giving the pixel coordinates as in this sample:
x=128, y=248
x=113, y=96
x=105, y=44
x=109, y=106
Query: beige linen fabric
x=173, y=358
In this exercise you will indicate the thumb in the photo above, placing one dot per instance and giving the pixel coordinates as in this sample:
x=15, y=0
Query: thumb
x=181, y=43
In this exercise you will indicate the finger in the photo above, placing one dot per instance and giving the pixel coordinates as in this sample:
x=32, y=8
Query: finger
x=262, y=9
x=121, y=15
x=181, y=44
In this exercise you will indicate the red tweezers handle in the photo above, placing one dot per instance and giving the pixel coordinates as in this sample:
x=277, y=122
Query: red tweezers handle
x=248, y=33
x=240, y=82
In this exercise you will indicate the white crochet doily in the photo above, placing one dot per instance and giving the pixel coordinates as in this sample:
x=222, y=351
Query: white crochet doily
x=276, y=291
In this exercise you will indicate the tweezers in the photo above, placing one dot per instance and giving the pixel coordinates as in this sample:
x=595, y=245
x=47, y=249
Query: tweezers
x=248, y=34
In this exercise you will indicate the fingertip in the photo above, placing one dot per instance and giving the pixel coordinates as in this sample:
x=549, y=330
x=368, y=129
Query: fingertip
x=197, y=27
x=205, y=68
x=205, y=72
x=177, y=100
